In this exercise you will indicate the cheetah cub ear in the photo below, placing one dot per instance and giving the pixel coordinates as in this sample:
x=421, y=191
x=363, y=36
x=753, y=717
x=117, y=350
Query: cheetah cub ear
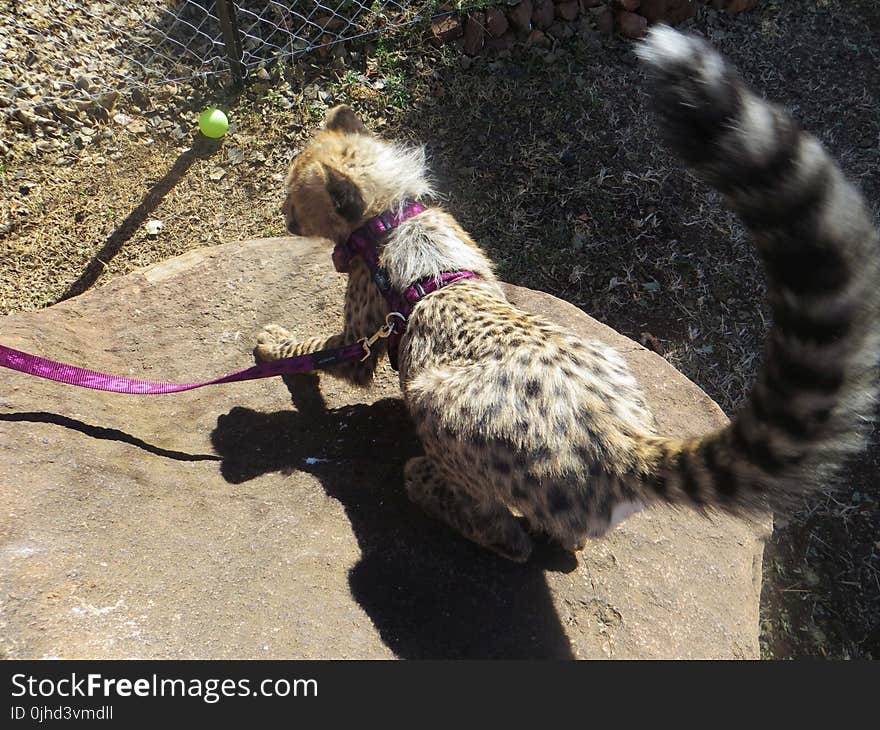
x=348, y=201
x=342, y=119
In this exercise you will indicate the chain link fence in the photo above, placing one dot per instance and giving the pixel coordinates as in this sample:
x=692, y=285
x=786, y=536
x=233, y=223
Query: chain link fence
x=55, y=54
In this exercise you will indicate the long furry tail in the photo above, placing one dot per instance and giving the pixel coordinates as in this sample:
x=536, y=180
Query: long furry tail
x=816, y=392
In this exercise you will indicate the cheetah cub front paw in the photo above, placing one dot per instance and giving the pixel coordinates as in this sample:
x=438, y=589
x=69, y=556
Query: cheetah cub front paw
x=272, y=343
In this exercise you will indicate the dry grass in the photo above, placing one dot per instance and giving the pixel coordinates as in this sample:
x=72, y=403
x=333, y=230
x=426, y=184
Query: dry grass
x=554, y=164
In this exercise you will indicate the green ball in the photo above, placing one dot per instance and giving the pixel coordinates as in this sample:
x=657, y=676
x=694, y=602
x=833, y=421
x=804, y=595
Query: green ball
x=213, y=123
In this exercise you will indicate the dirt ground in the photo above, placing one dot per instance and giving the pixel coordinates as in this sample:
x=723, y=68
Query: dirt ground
x=550, y=157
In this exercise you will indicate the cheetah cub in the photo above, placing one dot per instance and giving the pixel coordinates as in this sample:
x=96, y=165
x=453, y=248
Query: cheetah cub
x=519, y=416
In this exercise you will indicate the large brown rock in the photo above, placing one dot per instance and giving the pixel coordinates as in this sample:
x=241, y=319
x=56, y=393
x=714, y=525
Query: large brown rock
x=226, y=522
x=474, y=33
x=667, y=11
x=445, y=29
x=631, y=25
x=496, y=22
x=567, y=9
x=543, y=14
x=520, y=15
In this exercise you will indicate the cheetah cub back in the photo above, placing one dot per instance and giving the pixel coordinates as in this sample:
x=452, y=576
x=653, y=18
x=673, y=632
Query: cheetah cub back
x=518, y=416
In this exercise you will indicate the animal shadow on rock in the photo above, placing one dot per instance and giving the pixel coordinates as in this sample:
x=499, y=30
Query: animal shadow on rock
x=430, y=593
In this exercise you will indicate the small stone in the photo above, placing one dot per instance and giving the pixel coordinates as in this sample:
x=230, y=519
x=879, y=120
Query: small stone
x=631, y=25
x=235, y=155
x=474, y=32
x=263, y=74
x=520, y=15
x=561, y=30
x=589, y=36
x=496, y=22
x=25, y=118
x=325, y=45
x=444, y=30
x=504, y=43
x=108, y=101
x=216, y=174
x=153, y=227
x=543, y=14
x=332, y=22
x=629, y=5
x=538, y=39
x=82, y=82
x=140, y=99
x=567, y=10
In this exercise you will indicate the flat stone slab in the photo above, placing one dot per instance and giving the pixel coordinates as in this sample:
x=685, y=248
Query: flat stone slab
x=228, y=523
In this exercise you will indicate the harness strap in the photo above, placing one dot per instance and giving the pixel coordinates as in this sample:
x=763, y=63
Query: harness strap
x=363, y=243
x=423, y=287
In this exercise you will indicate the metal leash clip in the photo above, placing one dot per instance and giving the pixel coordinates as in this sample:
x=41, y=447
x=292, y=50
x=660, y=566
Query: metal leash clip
x=383, y=333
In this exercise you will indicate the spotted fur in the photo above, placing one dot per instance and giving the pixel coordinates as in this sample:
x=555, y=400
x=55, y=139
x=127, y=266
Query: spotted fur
x=525, y=427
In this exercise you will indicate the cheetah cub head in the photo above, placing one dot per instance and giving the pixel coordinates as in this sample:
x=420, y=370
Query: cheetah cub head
x=346, y=175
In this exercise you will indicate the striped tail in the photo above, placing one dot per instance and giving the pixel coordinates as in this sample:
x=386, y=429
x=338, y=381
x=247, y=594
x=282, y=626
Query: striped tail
x=815, y=394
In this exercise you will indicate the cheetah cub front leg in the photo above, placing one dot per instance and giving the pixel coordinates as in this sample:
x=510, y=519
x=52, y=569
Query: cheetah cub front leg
x=364, y=313
x=476, y=516
x=276, y=343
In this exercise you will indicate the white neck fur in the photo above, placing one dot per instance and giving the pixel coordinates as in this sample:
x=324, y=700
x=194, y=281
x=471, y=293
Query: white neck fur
x=427, y=245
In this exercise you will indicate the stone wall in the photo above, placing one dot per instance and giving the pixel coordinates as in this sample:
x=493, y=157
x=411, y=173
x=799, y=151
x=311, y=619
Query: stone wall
x=498, y=27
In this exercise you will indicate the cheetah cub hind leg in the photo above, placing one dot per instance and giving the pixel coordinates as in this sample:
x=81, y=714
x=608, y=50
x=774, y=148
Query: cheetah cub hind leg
x=485, y=522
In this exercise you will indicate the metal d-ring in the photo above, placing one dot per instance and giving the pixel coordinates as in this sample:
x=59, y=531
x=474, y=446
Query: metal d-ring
x=383, y=333
x=390, y=324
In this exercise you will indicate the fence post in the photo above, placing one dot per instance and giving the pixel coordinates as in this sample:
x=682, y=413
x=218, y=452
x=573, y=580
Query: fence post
x=231, y=38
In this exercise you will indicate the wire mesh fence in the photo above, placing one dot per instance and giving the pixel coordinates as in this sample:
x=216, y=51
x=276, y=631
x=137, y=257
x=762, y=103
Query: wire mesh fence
x=283, y=28
x=58, y=53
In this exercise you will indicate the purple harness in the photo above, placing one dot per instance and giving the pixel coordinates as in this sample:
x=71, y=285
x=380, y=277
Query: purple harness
x=361, y=243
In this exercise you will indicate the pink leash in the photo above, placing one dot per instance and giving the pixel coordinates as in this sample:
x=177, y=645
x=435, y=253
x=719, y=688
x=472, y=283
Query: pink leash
x=61, y=373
